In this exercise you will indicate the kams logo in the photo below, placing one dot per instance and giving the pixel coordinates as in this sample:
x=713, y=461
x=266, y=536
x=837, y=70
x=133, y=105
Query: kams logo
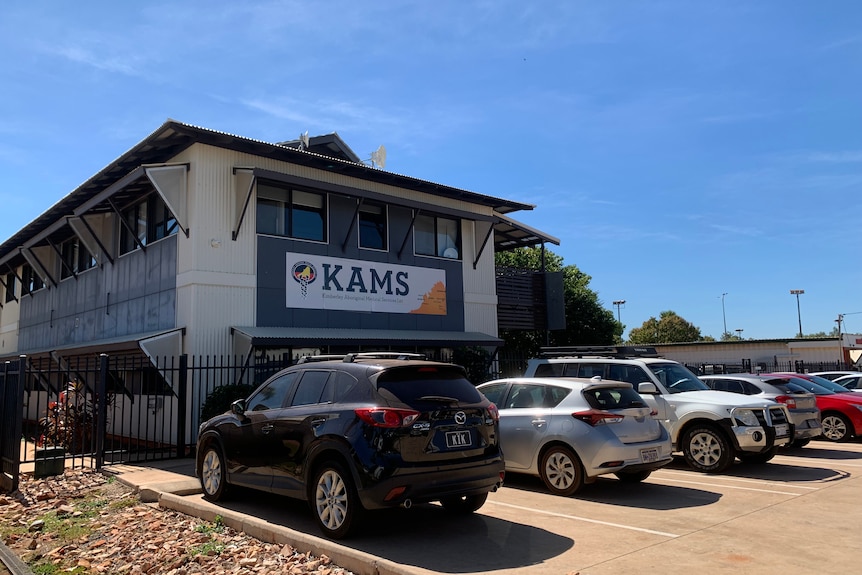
x=304, y=274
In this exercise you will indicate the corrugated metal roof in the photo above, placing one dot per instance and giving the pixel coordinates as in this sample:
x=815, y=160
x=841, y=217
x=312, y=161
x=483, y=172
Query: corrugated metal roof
x=173, y=137
x=313, y=336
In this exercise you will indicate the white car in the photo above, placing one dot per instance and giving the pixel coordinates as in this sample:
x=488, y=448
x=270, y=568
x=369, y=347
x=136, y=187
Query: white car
x=833, y=375
x=851, y=382
x=569, y=431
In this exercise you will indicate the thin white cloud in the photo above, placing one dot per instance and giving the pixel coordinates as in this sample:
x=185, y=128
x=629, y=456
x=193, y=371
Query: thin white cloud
x=100, y=58
x=842, y=43
x=841, y=157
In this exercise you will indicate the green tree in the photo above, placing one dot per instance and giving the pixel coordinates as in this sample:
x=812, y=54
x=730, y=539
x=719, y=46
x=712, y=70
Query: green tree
x=587, y=322
x=669, y=328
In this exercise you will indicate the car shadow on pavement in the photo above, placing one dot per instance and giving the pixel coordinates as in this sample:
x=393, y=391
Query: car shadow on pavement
x=424, y=536
x=821, y=450
x=645, y=495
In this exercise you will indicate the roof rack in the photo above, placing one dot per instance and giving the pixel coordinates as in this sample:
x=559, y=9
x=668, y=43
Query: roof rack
x=617, y=351
x=351, y=357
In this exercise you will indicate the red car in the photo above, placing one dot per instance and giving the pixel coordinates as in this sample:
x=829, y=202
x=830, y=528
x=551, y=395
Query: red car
x=840, y=409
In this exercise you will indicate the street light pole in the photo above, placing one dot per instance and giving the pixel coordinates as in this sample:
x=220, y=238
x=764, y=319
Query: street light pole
x=618, y=303
x=723, y=316
x=739, y=333
x=797, y=293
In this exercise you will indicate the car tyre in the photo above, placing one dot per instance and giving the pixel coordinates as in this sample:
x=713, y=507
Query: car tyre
x=836, y=427
x=758, y=458
x=334, y=500
x=464, y=504
x=632, y=476
x=707, y=450
x=561, y=471
x=213, y=473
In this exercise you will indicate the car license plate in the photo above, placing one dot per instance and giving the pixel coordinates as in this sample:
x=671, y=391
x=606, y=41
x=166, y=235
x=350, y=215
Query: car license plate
x=458, y=439
x=781, y=430
x=649, y=455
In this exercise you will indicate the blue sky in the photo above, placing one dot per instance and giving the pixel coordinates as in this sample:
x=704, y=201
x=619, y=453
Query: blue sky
x=680, y=150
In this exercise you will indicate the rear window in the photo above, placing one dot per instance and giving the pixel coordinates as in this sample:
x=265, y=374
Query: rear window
x=430, y=383
x=613, y=398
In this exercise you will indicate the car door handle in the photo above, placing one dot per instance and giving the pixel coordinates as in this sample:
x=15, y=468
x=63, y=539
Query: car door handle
x=267, y=428
x=539, y=422
x=318, y=421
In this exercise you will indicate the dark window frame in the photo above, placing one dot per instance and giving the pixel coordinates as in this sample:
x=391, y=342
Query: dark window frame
x=76, y=257
x=30, y=280
x=373, y=226
x=11, y=282
x=420, y=242
x=150, y=218
x=295, y=220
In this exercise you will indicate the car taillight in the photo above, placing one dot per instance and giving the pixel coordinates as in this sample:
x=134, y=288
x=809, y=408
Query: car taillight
x=387, y=416
x=790, y=402
x=596, y=417
x=494, y=412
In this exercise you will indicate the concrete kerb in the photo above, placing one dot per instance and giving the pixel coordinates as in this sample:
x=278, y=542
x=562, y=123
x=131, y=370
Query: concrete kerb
x=357, y=561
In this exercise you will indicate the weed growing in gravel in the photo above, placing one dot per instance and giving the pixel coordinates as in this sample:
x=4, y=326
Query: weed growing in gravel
x=217, y=526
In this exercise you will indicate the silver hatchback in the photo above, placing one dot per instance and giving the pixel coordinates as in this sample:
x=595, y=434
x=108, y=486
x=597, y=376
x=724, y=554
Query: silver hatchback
x=569, y=431
x=801, y=404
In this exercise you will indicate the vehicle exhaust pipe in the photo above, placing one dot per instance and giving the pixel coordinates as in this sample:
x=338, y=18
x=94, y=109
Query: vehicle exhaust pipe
x=407, y=504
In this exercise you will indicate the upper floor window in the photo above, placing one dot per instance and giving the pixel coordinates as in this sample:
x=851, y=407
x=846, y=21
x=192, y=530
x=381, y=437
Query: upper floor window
x=435, y=236
x=148, y=220
x=285, y=211
x=11, y=281
x=76, y=258
x=30, y=280
x=372, y=226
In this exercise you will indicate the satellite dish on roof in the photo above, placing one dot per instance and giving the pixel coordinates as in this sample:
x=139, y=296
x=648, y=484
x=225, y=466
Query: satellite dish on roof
x=303, y=141
x=378, y=157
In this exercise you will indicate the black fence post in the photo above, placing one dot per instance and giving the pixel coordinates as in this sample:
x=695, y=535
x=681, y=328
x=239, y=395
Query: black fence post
x=101, y=410
x=182, y=404
x=17, y=422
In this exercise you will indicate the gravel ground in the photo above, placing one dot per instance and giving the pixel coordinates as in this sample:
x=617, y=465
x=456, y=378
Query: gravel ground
x=83, y=522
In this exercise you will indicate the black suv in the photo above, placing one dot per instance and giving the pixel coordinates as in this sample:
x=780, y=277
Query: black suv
x=361, y=433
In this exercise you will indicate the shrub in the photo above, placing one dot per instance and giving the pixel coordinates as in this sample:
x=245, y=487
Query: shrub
x=220, y=399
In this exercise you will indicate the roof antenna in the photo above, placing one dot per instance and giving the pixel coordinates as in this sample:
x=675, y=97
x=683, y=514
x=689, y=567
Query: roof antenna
x=303, y=141
x=378, y=157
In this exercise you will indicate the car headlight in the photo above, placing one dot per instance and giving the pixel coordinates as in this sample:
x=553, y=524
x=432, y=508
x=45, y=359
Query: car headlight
x=746, y=417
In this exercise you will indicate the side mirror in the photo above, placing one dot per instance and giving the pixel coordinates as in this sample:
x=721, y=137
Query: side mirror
x=238, y=407
x=647, y=387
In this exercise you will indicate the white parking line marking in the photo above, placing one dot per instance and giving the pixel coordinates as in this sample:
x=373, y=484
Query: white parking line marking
x=724, y=486
x=576, y=518
x=743, y=480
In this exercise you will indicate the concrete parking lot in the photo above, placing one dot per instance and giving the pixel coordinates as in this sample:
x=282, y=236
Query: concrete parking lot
x=797, y=514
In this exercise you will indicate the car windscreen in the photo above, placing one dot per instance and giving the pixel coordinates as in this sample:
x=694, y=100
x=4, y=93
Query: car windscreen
x=435, y=384
x=830, y=385
x=676, y=378
x=810, y=386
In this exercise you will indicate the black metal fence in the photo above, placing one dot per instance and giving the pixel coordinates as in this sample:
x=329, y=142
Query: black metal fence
x=96, y=411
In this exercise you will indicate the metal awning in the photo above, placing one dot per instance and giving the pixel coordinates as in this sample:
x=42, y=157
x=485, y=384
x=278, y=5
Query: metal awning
x=510, y=234
x=150, y=343
x=314, y=336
